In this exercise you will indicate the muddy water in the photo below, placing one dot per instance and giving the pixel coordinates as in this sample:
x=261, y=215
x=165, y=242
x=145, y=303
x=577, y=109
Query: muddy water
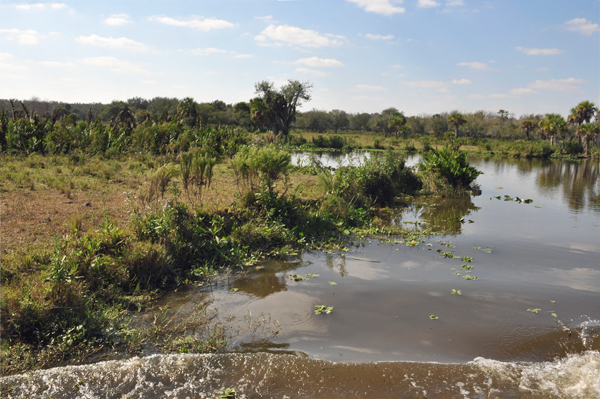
x=528, y=326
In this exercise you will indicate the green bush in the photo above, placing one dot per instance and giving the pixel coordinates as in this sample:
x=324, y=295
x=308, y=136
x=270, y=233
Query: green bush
x=447, y=170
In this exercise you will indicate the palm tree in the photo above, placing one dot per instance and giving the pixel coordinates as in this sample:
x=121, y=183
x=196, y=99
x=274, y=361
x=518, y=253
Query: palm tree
x=456, y=120
x=527, y=126
x=552, y=125
x=397, y=123
x=585, y=111
x=587, y=131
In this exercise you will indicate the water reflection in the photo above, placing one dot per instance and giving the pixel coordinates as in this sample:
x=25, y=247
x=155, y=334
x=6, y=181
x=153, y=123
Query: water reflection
x=577, y=180
x=448, y=215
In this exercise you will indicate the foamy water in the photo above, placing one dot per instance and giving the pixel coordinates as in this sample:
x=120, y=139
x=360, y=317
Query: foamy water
x=287, y=376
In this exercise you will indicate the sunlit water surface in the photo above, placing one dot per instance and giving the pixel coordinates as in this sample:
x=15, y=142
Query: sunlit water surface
x=527, y=327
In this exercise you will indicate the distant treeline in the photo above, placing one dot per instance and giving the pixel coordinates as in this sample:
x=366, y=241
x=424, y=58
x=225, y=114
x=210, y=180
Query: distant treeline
x=501, y=124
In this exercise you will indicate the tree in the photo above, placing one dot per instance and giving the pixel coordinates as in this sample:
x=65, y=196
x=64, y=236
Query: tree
x=187, y=110
x=360, y=121
x=280, y=105
x=527, y=126
x=585, y=111
x=397, y=124
x=587, y=131
x=339, y=119
x=552, y=125
x=438, y=125
x=455, y=120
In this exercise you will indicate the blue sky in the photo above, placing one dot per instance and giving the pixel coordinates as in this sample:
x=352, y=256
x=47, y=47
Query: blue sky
x=420, y=56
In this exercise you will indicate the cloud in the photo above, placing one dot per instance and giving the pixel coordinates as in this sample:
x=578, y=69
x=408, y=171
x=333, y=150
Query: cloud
x=363, y=87
x=444, y=90
x=521, y=91
x=243, y=56
x=427, y=84
x=312, y=72
x=116, y=65
x=476, y=65
x=319, y=62
x=28, y=36
x=5, y=56
x=384, y=7
x=297, y=36
x=569, y=84
x=427, y=3
x=461, y=82
x=582, y=25
x=27, y=7
x=266, y=18
x=540, y=51
x=476, y=96
x=9, y=67
x=500, y=96
x=56, y=64
x=205, y=25
x=206, y=51
x=379, y=37
x=39, y=6
x=454, y=3
x=108, y=42
x=117, y=20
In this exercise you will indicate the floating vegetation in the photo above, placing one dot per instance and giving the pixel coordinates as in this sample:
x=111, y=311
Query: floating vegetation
x=467, y=267
x=297, y=277
x=468, y=277
x=433, y=317
x=457, y=292
x=466, y=259
x=536, y=310
x=537, y=206
x=332, y=283
x=225, y=393
x=445, y=254
x=235, y=289
x=323, y=309
x=553, y=314
x=488, y=250
x=312, y=275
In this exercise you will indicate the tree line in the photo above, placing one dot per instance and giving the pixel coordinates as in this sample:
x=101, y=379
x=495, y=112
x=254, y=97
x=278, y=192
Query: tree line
x=276, y=110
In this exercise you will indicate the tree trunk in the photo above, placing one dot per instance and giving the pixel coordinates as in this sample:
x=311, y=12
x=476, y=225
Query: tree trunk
x=456, y=131
x=586, y=145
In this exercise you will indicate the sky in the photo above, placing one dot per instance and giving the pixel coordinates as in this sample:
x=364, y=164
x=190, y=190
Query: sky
x=419, y=56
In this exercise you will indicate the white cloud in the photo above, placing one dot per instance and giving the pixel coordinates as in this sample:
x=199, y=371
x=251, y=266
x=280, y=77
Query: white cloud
x=5, y=56
x=582, y=25
x=39, y=6
x=56, y=64
x=27, y=7
x=266, y=18
x=116, y=43
x=444, y=90
x=205, y=25
x=556, y=84
x=312, y=72
x=363, y=87
x=384, y=7
x=243, y=56
x=540, y=51
x=28, y=36
x=319, y=62
x=500, y=96
x=206, y=51
x=476, y=96
x=116, y=65
x=427, y=84
x=453, y=3
x=117, y=20
x=379, y=37
x=461, y=82
x=297, y=36
x=521, y=91
x=427, y=3
x=476, y=65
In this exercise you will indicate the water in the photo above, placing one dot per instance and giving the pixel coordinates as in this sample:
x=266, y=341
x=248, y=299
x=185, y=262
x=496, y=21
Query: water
x=528, y=327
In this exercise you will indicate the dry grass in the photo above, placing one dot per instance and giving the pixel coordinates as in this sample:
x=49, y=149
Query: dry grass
x=65, y=196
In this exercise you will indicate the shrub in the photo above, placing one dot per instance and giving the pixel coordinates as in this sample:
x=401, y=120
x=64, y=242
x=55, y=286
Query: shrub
x=260, y=167
x=447, y=170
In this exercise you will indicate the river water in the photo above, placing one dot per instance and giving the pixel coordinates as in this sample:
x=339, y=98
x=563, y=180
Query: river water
x=528, y=326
